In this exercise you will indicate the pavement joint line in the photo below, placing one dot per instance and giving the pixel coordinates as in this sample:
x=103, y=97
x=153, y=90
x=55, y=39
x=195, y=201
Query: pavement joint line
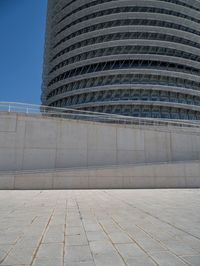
x=156, y=217
x=6, y=255
x=113, y=244
x=79, y=211
x=149, y=255
x=42, y=237
x=186, y=260
x=34, y=219
x=65, y=228
x=179, y=257
x=14, y=210
x=135, y=241
x=13, y=245
x=160, y=242
x=95, y=207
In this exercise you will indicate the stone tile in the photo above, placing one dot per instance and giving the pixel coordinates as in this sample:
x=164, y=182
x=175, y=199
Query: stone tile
x=87, y=263
x=167, y=259
x=140, y=261
x=119, y=237
x=92, y=227
x=180, y=248
x=77, y=254
x=74, y=230
x=147, y=216
x=19, y=255
x=192, y=242
x=96, y=236
x=193, y=260
x=109, y=227
x=28, y=242
x=129, y=250
x=4, y=249
x=76, y=240
x=47, y=262
x=109, y=259
x=9, y=238
x=150, y=245
x=101, y=247
x=53, y=238
x=50, y=250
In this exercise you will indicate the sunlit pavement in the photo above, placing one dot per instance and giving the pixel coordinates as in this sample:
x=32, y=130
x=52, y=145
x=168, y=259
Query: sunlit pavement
x=100, y=227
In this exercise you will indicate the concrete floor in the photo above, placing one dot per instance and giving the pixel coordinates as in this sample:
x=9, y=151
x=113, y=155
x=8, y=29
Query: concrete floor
x=102, y=227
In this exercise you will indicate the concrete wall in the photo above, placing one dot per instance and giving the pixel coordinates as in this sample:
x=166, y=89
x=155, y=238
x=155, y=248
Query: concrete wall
x=31, y=142
x=164, y=175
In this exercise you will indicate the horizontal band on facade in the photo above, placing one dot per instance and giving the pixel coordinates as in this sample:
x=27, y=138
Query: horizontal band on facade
x=114, y=56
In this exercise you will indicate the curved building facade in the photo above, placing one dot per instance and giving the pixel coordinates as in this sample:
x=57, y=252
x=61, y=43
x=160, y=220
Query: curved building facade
x=130, y=57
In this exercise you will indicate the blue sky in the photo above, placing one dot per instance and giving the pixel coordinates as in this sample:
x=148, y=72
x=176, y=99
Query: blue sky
x=22, y=24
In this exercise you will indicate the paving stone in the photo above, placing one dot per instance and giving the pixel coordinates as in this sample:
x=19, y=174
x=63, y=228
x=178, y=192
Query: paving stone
x=53, y=238
x=19, y=255
x=100, y=227
x=101, y=247
x=109, y=227
x=150, y=245
x=119, y=237
x=77, y=254
x=167, y=259
x=28, y=242
x=129, y=250
x=192, y=242
x=87, y=263
x=47, y=262
x=140, y=261
x=193, y=260
x=74, y=230
x=76, y=240
x=50, y=250
x=108, y=259
x=92, y=227
x=180, y=248
x=96, y=236
x=9, y=238
x=4, y=249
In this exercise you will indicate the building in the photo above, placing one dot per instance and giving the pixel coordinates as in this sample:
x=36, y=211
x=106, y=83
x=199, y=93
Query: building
x=131, y=57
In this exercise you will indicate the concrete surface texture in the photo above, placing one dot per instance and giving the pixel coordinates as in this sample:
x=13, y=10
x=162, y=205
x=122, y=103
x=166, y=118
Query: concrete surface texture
x=33, y=142
x=100, y=228
x=160, y=175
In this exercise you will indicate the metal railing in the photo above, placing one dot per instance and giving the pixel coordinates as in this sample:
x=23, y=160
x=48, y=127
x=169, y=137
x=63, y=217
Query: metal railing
x=68, y=113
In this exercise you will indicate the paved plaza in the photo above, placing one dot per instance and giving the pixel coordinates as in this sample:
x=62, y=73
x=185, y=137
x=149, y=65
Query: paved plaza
x=100, y=227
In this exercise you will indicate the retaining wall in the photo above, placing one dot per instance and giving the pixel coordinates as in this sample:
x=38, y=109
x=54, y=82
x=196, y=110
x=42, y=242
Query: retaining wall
x=33, y=142
x=163, y=175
